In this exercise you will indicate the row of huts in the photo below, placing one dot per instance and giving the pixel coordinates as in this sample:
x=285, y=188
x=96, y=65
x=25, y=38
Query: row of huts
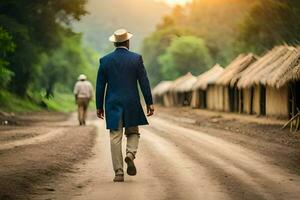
x=267, y=85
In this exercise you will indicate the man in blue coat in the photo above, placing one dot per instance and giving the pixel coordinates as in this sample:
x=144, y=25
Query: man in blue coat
x=118, y=75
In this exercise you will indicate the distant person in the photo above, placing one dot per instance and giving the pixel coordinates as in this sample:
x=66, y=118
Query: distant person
x=83, y=92
x=119, y=72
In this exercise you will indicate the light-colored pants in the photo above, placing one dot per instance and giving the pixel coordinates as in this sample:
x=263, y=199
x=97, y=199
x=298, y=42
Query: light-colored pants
x=83, y=104
x=133, y=136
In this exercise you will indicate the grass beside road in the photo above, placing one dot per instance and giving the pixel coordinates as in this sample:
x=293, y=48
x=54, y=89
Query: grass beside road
x=61, y=102
x=64, y=102
x=13, y=103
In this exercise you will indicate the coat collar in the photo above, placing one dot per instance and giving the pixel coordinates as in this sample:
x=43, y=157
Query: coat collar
x=122, y=47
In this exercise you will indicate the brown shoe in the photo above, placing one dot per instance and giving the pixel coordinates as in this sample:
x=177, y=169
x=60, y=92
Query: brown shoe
x=119, y=178
x=131, y=169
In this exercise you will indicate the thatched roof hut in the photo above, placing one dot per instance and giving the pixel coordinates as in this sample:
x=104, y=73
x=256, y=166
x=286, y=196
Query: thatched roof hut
x=181, y=89
x=161, y=88
x=276, y=68
x=276, y=74
x=233, y=71
x=208, y=77
x=184, y=83
x=226, y=84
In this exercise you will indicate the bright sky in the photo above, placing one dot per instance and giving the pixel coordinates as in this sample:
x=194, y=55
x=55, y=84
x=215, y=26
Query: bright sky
x=173, y=2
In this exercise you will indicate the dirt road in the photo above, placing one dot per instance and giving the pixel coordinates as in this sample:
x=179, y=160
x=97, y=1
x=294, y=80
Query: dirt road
x=178, y=162
x=37, y=148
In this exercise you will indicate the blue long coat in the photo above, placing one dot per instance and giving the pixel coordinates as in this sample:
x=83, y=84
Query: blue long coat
x=120, y=71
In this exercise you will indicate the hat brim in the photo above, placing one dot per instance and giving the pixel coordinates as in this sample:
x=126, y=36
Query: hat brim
x=114, y=39
x=82, y=78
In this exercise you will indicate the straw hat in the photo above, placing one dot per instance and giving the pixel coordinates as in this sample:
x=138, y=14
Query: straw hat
x=82, y=77
x=120, y=35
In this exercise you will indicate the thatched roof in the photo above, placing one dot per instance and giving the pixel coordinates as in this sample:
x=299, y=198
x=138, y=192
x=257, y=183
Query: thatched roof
x=276, y=68
x=208, y=77
x=233, y=71
x=161, y=88
x=184, y=83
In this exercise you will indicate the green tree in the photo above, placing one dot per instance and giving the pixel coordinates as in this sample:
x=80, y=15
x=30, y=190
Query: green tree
x=35, y=26
x=63, y=65
x=6, y=46
x=185, y=54
x=156, y=45
x=214, y=21
x=269, y=23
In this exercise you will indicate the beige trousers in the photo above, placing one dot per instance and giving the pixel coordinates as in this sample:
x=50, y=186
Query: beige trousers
x=133, y=136
x=83, y=104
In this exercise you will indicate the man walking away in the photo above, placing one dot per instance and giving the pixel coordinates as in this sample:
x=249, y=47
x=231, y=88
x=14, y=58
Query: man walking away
x=83, y=92
x=119, y=73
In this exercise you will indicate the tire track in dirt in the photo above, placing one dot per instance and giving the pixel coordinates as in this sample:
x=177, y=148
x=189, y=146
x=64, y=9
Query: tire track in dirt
x=244, y=169
x=30, y=168
x=184, y=178
x=34, y=140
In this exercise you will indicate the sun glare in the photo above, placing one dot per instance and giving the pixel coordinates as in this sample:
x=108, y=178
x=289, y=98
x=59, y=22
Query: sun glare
x=174, y=2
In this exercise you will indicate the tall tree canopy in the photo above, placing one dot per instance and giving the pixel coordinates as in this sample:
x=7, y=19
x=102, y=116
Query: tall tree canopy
x=269, y=23
x=63, y=65
x=155, y=45
x=6, y=46
x=35, y=27
x=185, y=54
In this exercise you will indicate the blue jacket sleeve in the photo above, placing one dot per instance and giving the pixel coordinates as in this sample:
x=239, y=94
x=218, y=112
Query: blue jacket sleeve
x=100, y=86
x=144, y=82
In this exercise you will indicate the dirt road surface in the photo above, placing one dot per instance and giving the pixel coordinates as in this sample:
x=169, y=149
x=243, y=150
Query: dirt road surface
x=176, y=161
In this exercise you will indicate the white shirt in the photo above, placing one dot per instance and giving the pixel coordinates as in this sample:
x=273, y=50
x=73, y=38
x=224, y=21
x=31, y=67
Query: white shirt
x=83, y=89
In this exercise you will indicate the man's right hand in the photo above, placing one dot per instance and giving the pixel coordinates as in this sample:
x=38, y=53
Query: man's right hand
x=150, y=110
x=100, y=113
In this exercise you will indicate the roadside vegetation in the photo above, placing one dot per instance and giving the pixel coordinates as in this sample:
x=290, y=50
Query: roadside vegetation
x=40, y=55
x=60, y=102
x=13, y=103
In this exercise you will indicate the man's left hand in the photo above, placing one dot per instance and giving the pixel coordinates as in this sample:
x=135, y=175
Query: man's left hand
x=76, y=99
x=100, y=113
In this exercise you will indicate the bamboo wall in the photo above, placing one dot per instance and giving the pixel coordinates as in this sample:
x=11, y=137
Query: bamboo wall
x=220, y=99
x=247, y=100
x=210, y=97
x=214, y=97
x=256, y=100
x=167, y=100
x=225, y=97
x=277, y=102
x=195, y=102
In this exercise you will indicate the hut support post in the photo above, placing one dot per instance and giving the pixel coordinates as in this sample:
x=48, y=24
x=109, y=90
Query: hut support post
x=251, y=100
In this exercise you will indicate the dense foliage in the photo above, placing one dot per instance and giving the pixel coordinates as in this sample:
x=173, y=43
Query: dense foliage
x=269, y=23
x=6, y=46
x=41, y=49
x=154, y=46
x=185, y=54
x=62, y=66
